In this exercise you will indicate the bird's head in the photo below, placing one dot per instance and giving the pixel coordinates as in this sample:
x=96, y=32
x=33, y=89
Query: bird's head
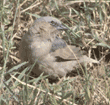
x=54, y=22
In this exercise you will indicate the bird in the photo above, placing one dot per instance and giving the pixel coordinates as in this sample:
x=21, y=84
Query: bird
x=53, y=56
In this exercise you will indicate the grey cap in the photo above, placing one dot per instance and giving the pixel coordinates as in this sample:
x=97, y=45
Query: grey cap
x=54, y=22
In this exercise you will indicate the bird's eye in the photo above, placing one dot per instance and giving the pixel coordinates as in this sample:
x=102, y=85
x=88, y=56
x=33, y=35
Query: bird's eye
x=54, y=23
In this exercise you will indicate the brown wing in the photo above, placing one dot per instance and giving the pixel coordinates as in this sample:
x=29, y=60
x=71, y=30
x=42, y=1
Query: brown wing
x=68, y=52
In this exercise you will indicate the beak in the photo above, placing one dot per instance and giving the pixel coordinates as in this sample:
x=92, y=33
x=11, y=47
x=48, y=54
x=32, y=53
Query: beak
x=59, y=26
x=62, y=27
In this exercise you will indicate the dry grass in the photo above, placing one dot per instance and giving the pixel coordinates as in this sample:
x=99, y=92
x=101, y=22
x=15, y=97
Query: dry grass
x=89, y=24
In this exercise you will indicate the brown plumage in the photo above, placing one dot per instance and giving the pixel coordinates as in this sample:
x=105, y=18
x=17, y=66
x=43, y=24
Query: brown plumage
x=42, y=45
